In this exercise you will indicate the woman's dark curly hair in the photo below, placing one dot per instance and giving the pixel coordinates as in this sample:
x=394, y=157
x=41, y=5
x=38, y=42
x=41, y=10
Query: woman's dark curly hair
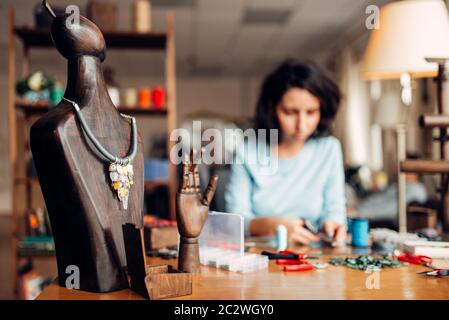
x=297, y=74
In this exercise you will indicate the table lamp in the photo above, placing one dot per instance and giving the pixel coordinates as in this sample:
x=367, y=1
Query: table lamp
x=409, y=31
x=411, y=41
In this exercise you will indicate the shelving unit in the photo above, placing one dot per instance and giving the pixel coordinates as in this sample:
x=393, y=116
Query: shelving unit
x=38, y=110
x=40, y=38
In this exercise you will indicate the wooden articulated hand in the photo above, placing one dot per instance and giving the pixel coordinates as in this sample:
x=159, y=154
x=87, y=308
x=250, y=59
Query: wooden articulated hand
x=191, y=213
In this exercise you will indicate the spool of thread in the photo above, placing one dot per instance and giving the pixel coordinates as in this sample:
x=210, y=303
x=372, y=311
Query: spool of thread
x=145, y=98
x=360, y=232
x=141, y=10
x=349, y=223
x=158, y=97
x=130, y=97
x=56, y=95
x=281, y=238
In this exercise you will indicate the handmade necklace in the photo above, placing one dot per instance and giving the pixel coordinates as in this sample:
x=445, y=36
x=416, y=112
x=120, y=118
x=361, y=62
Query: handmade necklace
x=120, y=169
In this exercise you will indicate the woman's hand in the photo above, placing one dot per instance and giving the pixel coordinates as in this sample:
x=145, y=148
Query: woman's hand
x=336, y=231
x=262, y=226
x=299, y=234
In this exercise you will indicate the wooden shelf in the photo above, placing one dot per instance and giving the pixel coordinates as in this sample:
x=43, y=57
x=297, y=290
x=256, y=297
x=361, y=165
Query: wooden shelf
x=35, y=254
x=31, y=110
x=33, y=37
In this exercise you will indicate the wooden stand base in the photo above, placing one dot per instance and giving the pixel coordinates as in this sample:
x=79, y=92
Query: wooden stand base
x=166, y=282
x=151, y=282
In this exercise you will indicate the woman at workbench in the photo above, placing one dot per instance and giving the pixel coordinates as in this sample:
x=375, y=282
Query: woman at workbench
x=301, y=101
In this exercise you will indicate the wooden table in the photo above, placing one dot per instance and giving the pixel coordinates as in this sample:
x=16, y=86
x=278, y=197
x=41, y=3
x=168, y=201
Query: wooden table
x=335, y=282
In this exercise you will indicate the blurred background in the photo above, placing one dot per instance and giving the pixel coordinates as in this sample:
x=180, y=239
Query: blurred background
x=213, y=70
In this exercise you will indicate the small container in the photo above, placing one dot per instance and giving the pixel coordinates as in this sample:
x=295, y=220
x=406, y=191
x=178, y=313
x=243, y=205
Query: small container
x=222, y=245
x=360, y=232
x=144, y=98
x=56, y=94
x=141, y=16
x=129, y=97
x=281, y=238
x=158, y=97
x=103, y=13
x=114, y=94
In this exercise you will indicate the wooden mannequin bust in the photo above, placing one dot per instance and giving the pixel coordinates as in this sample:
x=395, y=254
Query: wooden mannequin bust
x=85, y=213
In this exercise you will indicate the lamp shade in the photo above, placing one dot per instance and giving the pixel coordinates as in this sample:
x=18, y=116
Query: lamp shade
x=409, y=31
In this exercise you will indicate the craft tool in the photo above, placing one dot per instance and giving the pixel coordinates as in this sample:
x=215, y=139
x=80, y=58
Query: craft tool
x=298, y=267
x=292, y=261
x=415, y=259
x=436, y=273
x=287, y=255
x=424, y=261
x=326, y=238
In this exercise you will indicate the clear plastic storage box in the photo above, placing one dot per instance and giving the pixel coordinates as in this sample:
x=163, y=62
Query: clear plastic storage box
x=222, y=244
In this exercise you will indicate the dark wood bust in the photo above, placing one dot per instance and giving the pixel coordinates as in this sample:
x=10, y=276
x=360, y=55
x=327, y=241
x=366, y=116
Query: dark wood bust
x=85, y=213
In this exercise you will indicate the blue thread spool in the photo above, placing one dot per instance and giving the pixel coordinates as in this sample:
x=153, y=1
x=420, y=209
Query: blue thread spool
x=281, y=238
x=360, y=232
x=349, y=224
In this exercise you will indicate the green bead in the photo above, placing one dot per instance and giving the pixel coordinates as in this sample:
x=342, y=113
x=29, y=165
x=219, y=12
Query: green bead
x=351, y=261
x=366, y=263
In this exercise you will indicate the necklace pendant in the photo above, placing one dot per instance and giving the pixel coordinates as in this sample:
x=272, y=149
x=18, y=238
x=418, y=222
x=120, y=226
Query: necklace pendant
x=121, y=181
x=124, y=203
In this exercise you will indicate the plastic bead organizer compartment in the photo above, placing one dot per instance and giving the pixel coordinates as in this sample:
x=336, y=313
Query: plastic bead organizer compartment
x=222, y=245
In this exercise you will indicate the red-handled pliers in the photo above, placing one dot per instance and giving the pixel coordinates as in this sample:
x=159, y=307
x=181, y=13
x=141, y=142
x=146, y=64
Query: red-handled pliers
x=299, y=267
x=286, y=255
x=299, y=258
x=415, y=259
x=300, y=264
x=290, y=260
